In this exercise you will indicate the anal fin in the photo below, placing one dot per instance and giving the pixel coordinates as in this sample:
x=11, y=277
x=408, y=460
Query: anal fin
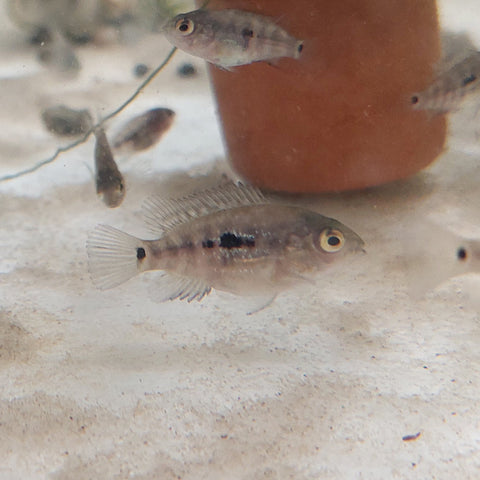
x=170, y=287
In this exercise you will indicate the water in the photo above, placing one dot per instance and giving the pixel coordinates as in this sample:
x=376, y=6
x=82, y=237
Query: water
x=324, y=383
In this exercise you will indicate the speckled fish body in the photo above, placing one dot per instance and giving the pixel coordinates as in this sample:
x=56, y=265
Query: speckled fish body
x=450, y=88
x=143, y=131
x=228, y=238
x=109, y=180
x=229, y=38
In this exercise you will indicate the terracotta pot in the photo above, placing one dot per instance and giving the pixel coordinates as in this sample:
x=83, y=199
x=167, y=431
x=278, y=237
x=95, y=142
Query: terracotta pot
x=340, y=117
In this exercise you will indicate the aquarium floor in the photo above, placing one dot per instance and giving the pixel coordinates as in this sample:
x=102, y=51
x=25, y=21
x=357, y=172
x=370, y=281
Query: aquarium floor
x=328, y=382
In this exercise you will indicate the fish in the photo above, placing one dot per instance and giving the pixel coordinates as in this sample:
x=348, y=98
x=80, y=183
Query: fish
x=75, y=21
x=140, y=70
x=229, y=38
x=435, y=254
x=228, y=238
x=451, y=87
x=186, y=70
x=59, y=56
x=109, y=181
x=67, y=122
x=143, y=131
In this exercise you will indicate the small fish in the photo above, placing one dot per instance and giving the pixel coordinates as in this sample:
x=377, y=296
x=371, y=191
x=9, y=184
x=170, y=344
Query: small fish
x=140, y=70
x=109, y=180
x=186, y=70
x=67, y=122
x=59, y=55
x=229, y=38
x=143, y=131
x=229, y=238
x=450, y=88
x=434, y=254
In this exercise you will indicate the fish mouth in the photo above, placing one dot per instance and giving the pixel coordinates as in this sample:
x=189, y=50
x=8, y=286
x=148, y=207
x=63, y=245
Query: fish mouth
x=167, y=22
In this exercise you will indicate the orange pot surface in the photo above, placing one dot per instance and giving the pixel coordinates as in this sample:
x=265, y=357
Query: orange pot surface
x=340, y=117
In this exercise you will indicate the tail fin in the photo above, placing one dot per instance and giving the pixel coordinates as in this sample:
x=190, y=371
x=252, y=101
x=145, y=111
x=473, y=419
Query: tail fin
x=112, y=256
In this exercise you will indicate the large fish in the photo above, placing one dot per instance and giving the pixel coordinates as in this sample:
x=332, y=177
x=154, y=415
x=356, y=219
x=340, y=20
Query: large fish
x=229, y=238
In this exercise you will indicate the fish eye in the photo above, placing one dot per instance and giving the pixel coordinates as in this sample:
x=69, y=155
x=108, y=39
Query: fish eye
x=331, y=240
x=462, y=254
x=415, y=100
x=185, y=26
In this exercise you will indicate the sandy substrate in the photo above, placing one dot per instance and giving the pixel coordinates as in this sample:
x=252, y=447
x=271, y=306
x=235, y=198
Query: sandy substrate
x=324, y=383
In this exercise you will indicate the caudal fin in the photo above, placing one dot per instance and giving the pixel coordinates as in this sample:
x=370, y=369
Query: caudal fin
x=112, y=256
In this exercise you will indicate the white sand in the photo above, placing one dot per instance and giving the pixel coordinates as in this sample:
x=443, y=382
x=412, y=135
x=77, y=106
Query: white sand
x=322, y=384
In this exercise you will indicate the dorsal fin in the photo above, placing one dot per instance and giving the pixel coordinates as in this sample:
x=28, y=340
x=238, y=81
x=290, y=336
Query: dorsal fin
x=162, y=215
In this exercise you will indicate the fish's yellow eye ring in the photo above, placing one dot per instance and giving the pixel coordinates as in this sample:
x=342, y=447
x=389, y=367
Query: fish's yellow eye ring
x=331, y=240
x=185, y=26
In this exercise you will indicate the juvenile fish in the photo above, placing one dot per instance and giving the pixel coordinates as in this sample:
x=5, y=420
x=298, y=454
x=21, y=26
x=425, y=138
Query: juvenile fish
x=109, y=180
x=229, y=238
x=67, y=122
x=449, y=89
x=435, y=254
x=229, y=38
x=143, y=131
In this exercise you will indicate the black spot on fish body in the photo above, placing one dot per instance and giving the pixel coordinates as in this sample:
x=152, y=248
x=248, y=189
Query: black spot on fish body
x=247, y=34
x=208, y=244
x=230, y=240
x=188, y=244
x=462, y=254
x=249, y=241
x=470, y=79
x=141, y=253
